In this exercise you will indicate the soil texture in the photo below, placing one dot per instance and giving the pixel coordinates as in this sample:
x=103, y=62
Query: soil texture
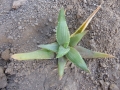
x=24, y=24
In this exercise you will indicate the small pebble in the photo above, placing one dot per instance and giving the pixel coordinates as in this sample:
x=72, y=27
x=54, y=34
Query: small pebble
x=6, y=54
x=20, y=27
x=3, y=79
x=54, y=30
x=92, y=78
x=72, y=65
x=103, y=65
x=50, y=20
x=10, y=37
x=9, y=71
x=114, y=87
x=104, y=85
x=85, y=1
x=69, y=7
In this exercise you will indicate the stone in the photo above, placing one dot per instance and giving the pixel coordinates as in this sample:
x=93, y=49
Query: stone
x=103, y=65
x=104, y=85
x=69, y=7
x=101, y=82
x=72, y=65
x=79, y=14
x=20, y=27
x=50, y=20
x=85, y=1
x=3, y=79
x=5, y=54
x=54, y=30
x=113, y=87
x=18, y=3
x=9, y=71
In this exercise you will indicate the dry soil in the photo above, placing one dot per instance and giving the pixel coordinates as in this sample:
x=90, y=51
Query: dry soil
x=33, y=23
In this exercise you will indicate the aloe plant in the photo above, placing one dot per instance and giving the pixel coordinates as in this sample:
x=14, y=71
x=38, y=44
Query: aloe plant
x=65, y=48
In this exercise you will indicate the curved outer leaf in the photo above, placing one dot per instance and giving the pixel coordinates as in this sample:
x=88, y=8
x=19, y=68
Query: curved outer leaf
x=62, y=35
x=86, y=22
x=62, y=51
x=52, y=47
x=39, y=54
x=86, y=53
x=61, y=66
x=76, y=38
x=74, y=56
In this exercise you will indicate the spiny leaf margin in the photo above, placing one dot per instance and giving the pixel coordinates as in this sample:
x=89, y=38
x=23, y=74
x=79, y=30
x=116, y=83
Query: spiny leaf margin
x=61, y=66
x=62, y=34
x=86, y=53
x=52, y=46
x=38, y=54
x=74, y=56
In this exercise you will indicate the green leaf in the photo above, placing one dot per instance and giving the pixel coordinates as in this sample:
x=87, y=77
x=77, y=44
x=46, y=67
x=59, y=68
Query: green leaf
x=62, y=51
x=52, y=47
x=86, y=53
x=39, y=54
x=74, y=56
x=86, y=22
x=61, y=66
x=63, y=34
x=76, y=38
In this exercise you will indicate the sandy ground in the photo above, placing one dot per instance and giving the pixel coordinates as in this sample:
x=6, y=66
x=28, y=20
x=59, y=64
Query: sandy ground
x=33, y=23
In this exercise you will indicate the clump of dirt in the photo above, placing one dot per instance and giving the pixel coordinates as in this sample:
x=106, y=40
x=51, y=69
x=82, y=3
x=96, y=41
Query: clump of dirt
x=33, y=23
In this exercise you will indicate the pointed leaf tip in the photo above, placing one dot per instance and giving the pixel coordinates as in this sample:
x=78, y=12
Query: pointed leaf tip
x=60, y=78
x=86, y=22
x=61, y=66
x=62, y=34
x=88, y=71
x=38, y=54
x=86, y=53
x=74, y=56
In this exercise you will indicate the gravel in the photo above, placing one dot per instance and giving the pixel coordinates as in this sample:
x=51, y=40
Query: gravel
x=6, y=54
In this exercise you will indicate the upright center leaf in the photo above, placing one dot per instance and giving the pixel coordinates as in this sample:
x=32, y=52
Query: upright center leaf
x=63, y=34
